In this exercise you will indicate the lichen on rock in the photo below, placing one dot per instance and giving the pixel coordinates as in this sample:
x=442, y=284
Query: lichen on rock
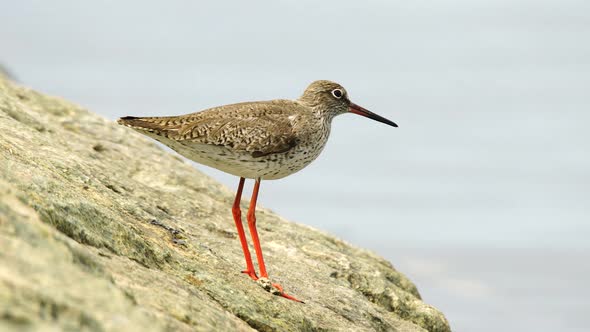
x=101, y=229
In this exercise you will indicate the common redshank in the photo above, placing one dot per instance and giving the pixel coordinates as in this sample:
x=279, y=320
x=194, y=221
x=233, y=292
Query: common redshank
x=263, y=140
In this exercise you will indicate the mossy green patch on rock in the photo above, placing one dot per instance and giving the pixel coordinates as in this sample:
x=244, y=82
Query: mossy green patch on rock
x=102, y=230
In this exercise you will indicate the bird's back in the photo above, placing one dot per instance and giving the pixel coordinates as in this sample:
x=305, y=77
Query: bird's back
x=266, y=139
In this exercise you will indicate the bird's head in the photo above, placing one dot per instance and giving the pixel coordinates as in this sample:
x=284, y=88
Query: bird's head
x=332, y=98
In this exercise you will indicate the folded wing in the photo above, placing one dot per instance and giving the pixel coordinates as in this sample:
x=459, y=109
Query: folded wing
x=260, y=128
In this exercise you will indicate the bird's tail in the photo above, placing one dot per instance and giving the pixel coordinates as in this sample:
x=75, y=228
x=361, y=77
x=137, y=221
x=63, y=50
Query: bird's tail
x=162, y=126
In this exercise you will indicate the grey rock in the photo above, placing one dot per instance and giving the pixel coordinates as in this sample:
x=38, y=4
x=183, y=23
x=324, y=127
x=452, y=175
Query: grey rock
x=102, y=230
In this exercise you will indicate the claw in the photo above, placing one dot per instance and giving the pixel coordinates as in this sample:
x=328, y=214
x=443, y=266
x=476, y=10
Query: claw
x=285, y=295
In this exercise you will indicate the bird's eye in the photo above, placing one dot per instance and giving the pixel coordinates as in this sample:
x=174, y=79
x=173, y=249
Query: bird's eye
x=337, y=93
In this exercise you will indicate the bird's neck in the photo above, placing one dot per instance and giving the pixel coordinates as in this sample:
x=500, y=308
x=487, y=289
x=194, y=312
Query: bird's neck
x=325, y=114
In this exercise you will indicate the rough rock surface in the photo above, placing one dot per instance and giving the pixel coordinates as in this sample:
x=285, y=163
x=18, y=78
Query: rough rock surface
x=100, y=229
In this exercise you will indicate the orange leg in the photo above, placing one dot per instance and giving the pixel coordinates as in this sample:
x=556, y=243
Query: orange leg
x=251, y=216
x=238, y=220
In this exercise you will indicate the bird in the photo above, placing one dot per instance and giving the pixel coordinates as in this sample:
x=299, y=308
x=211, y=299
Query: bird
x=260, y=140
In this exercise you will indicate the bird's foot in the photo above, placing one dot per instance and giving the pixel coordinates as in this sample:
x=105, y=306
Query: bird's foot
x=251, y=274
x=285, y=295
x=276, y=289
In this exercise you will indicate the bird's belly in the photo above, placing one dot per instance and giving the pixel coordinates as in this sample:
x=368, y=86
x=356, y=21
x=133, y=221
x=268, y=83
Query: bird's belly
x=243, y=164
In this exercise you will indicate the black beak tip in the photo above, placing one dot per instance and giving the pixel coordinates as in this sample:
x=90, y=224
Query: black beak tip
x=387, y=122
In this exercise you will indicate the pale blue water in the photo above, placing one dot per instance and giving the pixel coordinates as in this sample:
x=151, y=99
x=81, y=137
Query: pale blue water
x=481, y=195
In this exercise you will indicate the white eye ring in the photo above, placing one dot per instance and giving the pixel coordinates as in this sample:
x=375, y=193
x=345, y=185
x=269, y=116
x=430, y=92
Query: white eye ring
x=337, y=93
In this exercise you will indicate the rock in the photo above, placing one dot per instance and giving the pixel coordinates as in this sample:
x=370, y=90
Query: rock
x=101, y=229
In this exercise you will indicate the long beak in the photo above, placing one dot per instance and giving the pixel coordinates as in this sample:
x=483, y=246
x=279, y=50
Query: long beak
x=356, y=109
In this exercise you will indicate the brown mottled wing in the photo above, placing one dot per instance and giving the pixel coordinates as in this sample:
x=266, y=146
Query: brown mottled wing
x=260, y=128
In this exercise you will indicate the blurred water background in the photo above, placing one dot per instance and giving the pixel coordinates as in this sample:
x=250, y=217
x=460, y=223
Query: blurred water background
x=481, y=196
